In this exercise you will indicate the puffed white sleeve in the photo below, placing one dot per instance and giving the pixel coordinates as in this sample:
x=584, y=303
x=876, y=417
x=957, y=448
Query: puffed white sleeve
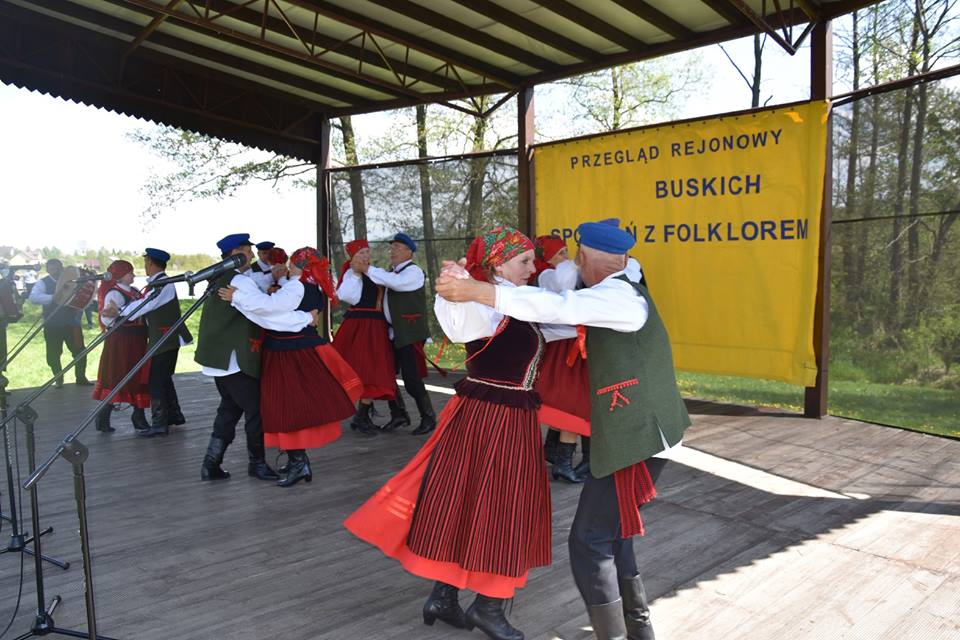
x=563, y=277
x=611, y=304
x=410, y=279
x=351, y=289
x=117, y=299
x=39, y=295
x=466, y=321
x=277, y=315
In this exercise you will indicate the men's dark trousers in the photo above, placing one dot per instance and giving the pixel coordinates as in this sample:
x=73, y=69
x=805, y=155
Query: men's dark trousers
x=239, y=397
x=597, y=552
x=406, y=358
x=162, y=367
x=56, y=337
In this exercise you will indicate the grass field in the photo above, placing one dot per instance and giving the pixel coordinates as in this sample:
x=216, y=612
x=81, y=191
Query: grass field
x=920, y=408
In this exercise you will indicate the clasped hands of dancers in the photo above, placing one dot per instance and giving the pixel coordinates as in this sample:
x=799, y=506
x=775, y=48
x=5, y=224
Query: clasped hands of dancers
x=471, y=510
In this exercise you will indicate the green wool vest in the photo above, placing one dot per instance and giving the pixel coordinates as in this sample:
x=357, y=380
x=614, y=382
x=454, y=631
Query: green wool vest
x=223, y=330
x=633, y=393
x=159, y=322
x=408, y=313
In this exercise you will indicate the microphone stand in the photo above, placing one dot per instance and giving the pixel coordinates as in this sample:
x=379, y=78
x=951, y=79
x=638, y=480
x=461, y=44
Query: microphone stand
x=75, y=452
x=28, y=415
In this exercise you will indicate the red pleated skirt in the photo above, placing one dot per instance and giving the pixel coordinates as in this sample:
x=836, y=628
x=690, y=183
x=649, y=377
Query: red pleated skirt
x=472, y=508
x=564, y=389
x=121, y=350
x=365, y=344
x=304, y=394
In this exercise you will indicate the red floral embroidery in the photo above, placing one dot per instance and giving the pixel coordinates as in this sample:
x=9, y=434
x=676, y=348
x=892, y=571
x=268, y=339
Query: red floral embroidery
x=255, y=345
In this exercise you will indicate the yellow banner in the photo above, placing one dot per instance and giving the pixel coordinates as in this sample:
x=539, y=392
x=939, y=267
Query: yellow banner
x=726, y=213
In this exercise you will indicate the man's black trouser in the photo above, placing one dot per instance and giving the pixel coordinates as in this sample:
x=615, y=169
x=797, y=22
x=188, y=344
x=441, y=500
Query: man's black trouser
x=162, y=366
x=56, y=337
x=598, y=555
x=406, y=359
x=239, y=397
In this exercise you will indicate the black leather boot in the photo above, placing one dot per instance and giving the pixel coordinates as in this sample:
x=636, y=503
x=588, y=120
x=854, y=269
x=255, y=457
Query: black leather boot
x=297, y=468
x=636, y=611
x=158, y=420
x=562, y=467
x=211, y=469
x=139, y=419
x=487, y=614
x=583, y=469
x=258, y=467
x=428, y=419
x=398, y=414
x=103, y=419
x=362, y=423
x=174, y=414
x=444, y=604
x=607, y=621
x=550, y=444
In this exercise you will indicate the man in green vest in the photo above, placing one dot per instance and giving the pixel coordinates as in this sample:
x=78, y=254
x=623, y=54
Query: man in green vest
x=405, y=307
x=637, y=416
x=161, y=313
x=228, y=349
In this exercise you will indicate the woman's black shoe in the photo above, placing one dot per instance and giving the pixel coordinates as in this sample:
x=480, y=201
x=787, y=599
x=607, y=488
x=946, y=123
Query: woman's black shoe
x=297, y=468
x=103, y=419
x=487, y=614
x=562, y=465
x=444, y=604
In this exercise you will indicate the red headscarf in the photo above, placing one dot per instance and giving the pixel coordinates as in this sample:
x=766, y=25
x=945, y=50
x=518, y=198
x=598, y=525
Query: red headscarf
x=277, y=256
x=117, y=270
x=544, y=248
x=494, y=248
x=316, y=270
x=352, y=248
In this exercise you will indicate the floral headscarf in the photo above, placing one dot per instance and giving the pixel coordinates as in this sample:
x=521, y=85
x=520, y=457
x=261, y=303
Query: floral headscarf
x=276, y=256
x=316, y=270
x=544, y=248
x=117, y=269
x=494, y=248
x=352, y=248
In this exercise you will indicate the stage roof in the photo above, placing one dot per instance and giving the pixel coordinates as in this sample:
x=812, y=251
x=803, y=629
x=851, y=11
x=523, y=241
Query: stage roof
x=266, y=72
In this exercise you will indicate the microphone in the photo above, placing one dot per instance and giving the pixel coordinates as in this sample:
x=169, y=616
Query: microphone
x=235, y=261
x=105, y=276
x=19, y=267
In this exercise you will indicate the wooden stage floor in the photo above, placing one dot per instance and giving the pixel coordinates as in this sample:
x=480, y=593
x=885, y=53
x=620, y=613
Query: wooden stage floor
x=771, y=527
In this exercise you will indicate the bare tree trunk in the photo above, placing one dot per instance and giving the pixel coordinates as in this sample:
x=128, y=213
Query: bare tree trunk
x=356, y=179
x=896, y=256
x=616, y=86
x=336, y=230
x=852, y=286
x=426, y=195
x=477, y=176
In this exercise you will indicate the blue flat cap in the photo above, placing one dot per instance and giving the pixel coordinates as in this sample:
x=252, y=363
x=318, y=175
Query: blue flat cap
x=157, y=255
x=405, y=239
x=613, y=222
x=605, y=237
x=232, y=241
x=266, y=244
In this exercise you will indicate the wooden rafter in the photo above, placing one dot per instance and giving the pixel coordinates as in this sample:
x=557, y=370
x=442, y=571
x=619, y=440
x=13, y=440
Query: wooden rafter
x=655, y=17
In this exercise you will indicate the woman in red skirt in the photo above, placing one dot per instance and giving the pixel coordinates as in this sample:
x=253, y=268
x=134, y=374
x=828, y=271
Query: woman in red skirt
x=564, y=384
x=122, y=349
x=363, y=338
x=306, y=387
x=472, y=509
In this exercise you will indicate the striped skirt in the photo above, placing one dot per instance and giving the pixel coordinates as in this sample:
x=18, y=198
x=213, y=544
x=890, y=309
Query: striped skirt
x=472, y=508
x=304, y=394
x=564, y=389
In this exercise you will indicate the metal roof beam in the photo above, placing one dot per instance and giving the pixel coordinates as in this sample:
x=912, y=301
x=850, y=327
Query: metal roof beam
x=655, y=17
x=727, y=11
x=786, y=40
x=591, y=22
x=345, y=47
x=481, y=39
x=493, y=73
x=330, y=68
x=529, y=28
x=150, y=28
